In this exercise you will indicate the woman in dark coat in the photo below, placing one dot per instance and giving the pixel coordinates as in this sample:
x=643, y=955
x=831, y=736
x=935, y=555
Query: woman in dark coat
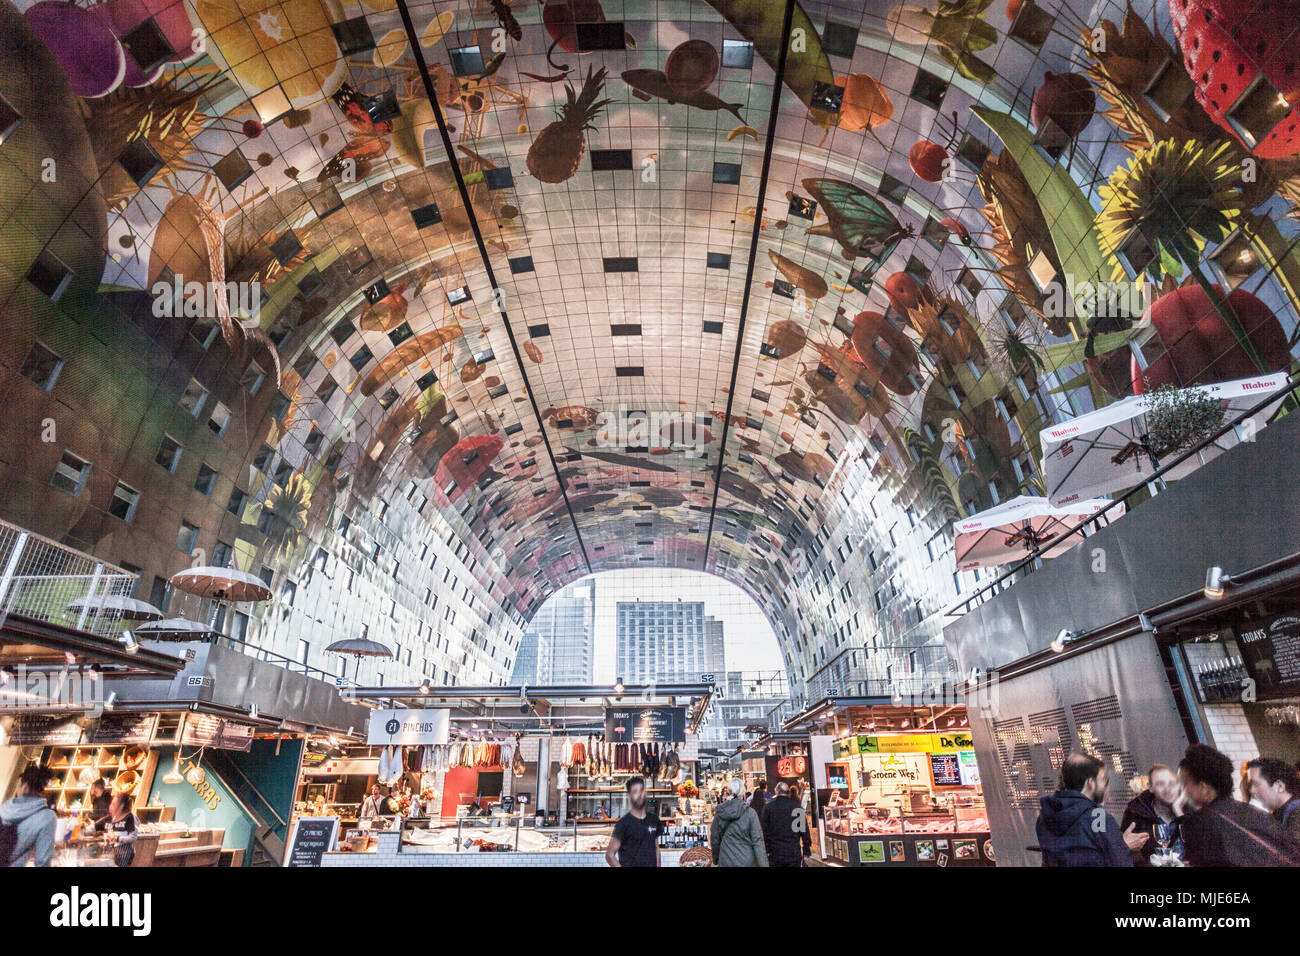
x=1153, y=812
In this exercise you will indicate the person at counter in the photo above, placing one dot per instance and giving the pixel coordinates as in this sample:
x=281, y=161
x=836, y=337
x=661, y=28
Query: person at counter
x=120, y=828
x=635, y=841
x=1276, y=784
x=33, y=821
x=99, y=798
x=372, y=806
x=1074, y=830
x=785, y=827
x=1221, y=831
x=1154, y=814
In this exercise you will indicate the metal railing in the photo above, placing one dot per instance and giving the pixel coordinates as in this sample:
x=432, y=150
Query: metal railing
x=40, y=578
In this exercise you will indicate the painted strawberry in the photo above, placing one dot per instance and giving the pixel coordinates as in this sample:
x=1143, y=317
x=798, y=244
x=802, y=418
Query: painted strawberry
x=1226, y=44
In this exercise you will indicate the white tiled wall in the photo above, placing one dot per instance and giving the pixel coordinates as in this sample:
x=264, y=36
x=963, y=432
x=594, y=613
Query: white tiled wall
x=388, y=853
x=1229, y=730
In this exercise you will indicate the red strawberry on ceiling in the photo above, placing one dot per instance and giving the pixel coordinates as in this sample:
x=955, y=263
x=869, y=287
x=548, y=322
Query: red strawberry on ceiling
x=1226, y=45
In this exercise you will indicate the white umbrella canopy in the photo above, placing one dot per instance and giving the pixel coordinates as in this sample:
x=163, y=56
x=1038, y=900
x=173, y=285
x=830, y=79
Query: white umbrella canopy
x=1011, y=531
x=224, y=584
x=359, y=647
x=115, y=605
x=172, y=627
x=1107, y=450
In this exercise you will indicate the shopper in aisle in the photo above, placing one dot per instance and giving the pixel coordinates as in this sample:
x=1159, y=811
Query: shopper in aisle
x=758, y=799
x=1221, y=831
x=785, y=829
x=736, y=835
x=1276, y=784
x=27, y=822
x=635, y=841
x=1074, y=829
x=1153, y=813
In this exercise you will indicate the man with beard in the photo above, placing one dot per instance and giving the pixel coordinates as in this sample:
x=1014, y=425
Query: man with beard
x=636, y=835
x=1074, y=829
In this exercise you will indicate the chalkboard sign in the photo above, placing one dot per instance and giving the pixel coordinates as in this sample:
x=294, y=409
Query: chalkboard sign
x=645, y=724
x=1270, y=649
x=124, y=729
x=311, y=838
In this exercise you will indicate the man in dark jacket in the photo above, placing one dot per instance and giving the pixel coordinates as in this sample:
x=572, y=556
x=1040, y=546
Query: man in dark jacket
x=1221, y=831
x=784, y=828
x=1074, y=829
x=1276, y=784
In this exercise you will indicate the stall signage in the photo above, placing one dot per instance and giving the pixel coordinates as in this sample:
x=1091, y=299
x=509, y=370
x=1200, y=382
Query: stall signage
x=952, y=742
x=793, y=766
x=409, y=727
x=124, y=729
x=1270, y=649
x=204, y=730
x=645, y=725
x=44, y=730
x=896, y=744
x=311, y=839
x=970, y=771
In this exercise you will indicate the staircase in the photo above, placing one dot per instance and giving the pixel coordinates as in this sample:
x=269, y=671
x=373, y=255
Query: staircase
x=268, y=826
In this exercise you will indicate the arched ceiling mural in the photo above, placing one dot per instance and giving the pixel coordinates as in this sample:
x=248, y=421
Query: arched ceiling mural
x=658, y=283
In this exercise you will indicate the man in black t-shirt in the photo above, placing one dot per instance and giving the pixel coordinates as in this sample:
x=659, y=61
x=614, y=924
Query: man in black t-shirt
x=636, y=835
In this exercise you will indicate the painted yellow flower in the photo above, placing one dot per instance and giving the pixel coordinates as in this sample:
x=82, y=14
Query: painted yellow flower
x=262, y=43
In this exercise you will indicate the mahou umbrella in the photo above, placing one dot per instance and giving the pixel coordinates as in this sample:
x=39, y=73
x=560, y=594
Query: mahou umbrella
x=223, y=584
x=1013, y=529
x=1107, y=450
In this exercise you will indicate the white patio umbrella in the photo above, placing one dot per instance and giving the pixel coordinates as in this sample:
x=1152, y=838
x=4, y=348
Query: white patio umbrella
x=223, y=584
x=1107, y=450
x=1011, y=531
x=172, y=627
x=116, y=605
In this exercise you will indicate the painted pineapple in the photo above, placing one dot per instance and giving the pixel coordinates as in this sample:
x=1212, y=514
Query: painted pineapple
x=557, y=151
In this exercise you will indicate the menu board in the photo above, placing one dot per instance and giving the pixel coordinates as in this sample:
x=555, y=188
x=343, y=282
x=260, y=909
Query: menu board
x=124, y=729
x=312, y=838
x=647, y=725
x=204, y=730
x=1270, y=649
x=45, y=730
x=946, y=770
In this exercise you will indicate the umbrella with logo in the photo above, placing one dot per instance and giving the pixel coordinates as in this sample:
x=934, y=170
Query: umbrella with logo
x=1012, y=530
x=1110, y=450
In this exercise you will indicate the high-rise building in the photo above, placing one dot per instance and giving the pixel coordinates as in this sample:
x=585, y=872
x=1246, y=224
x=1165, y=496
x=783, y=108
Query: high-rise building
x=662, y=641
x=715, y=648
x=558, y=643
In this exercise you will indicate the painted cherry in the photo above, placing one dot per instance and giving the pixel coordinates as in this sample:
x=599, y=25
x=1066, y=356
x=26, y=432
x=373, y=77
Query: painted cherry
x=928, y=160
x=1066, y=99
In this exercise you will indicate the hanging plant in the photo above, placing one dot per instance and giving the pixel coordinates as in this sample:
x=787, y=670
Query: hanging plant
x=1179, y=419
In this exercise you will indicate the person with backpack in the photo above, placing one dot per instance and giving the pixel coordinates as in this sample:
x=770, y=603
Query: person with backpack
x=1221, y=831
x=736, y=836
x=27, y=823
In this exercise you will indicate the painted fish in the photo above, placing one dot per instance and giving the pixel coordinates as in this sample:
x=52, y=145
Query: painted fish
x=647, y=84
x=627, y=461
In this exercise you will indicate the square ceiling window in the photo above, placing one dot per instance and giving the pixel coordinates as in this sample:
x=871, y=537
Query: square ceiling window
x=1032, y=26
x=972, y=152
x=738, y=54
x=1043, y=272
x=843, y=324
x=360, y=357
x=146, y=45
x=1236, y=259
x=326, y=202
x=388, y=398
x=457, y=296
x=1258, y=111
x=713, y=328
x=625, y=329
x=41, y=367
x=426, y=381
x=383, y=107
x=1169, y=88
x=929, y=89
x=918, y=270
x=358, y=259
x=539, y=331
x=827, y=97
x=726, y=173
x=767, y=350
x=935, y=233
x=400, y=334
x=426, y=216
x=499, y=178
x=521, y=265
x=966, y=280
x=466, y=61
x=232, y=169
x=9, y=120
x=862, y=278
x=140, y=160
x=487, y=355
x=1051, y=140
x=342, y=331
x=620, y=263
x=609, y=35
x=286, y=247
x=801, y=208
x=892, y=188
x=354, y=36
x=718, y=260
x=782, y=288
x=610, y=160
x=271, y=104
x=376, y=291
x=629, y=371
x=839, y=39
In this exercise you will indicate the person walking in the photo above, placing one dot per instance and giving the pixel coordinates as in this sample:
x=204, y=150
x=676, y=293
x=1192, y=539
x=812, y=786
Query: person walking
x=1276, y=784
x=1073, y=828
x=636, y=835
x=785, y=828
x=736, y=835
x=1152, y=812
x=1221, y=831
x=27, y=822
x=758, y=799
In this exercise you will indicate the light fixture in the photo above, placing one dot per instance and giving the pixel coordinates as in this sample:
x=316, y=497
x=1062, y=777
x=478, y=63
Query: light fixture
x=92, y=672
x=129, y=643
x=252, y=711
x=111, y=700
x=424, y=687
x=5, y=677
x=174, y=774
x=1063, y=640
x=1216, y=581
x=619, y=688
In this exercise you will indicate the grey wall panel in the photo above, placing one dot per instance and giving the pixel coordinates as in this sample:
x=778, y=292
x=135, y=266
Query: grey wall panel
x=1113, y=702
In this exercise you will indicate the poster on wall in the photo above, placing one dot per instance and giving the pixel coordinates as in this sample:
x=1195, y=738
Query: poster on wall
x=409, y=727
x=1270, y=649
x=645, y=725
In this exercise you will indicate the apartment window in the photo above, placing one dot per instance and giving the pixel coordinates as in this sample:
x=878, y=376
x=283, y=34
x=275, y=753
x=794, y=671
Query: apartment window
x=221, y=555
x=41, y=367
x=304, y=648
x=50, y=275
x=322, y=559
x=238, y=500
x=193, y=398
x=169, y=453
x=160, y=593
x=262, y=460
x=252, y=378
x=186, y=537
x=70, y=474
x=123, y=503
x=239, y=626
x=219, y=420
x=206, y=480
x=265, y=519
x=288, y=591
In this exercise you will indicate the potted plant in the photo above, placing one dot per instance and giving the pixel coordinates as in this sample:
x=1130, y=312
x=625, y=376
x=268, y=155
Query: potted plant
x=1179, y=418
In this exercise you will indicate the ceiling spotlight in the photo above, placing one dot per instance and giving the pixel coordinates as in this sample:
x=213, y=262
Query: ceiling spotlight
x=92, y=672
x=111, y=700
x=619, y=688
x=1216, y=581
x=173, y=775
x=1064, y=640
x=129, y=643
x=252, y=711
x=5, y=677
x=424, y=687
x=524, y=706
